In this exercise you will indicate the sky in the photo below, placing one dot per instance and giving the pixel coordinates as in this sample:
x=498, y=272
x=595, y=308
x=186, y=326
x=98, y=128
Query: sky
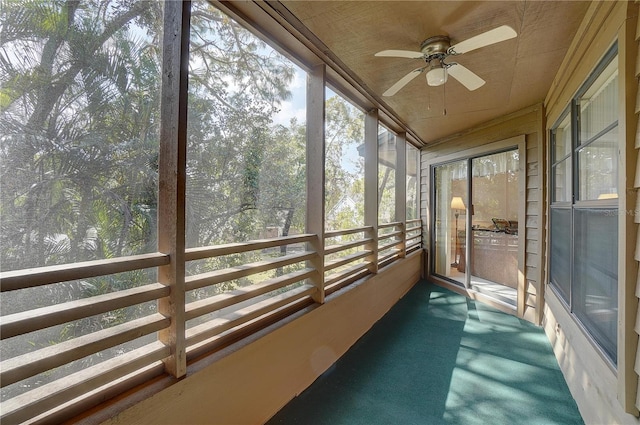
x=296, y=107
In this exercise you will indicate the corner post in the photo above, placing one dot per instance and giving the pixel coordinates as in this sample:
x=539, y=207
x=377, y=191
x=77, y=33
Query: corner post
x=172, y=179
x=401, y=190
x=371, y=185
x=315, y=173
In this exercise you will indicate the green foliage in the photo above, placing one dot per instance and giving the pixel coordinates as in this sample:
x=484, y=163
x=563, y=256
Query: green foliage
x=344, y=130
x=79, y=149
x=77, y=125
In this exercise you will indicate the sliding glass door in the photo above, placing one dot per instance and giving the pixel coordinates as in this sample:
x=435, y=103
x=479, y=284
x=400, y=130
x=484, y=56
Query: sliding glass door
x=484, y=259
x=451, y=190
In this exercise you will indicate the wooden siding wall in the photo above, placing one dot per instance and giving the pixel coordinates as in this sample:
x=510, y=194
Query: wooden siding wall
x=605, y=393
x=534, y=222
x=636, y=215
x=527, y=122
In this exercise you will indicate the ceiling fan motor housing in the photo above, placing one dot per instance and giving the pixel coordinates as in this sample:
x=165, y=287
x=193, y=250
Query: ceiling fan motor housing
x=435, y=47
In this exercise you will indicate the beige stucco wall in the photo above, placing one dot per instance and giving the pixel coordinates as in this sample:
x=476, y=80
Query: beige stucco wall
x=251, y=384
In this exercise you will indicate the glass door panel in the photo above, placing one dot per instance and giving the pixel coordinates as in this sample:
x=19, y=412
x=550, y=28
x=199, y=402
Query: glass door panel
x=450, y=220
x=493, y=263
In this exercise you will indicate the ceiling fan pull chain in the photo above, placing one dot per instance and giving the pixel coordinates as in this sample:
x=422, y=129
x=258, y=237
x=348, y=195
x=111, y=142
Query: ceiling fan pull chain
x=444, y=100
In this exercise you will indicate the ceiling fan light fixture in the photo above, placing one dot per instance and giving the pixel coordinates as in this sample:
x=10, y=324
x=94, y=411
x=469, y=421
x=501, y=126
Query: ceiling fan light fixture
x=437, y=75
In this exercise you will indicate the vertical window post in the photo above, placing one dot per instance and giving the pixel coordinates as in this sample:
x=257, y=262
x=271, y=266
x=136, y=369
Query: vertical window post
x=401, y=189
x=627, y=216
x=371, y=184
x=172, y=179
x=315, y=172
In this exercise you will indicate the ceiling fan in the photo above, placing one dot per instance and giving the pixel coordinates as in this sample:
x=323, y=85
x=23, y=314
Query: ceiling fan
x=434, y=50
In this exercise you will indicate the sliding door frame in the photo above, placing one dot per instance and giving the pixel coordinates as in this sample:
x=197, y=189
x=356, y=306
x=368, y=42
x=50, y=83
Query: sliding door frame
x=517, y=142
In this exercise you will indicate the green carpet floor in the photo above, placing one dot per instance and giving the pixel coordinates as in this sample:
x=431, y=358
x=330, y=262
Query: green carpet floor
x=439, y=358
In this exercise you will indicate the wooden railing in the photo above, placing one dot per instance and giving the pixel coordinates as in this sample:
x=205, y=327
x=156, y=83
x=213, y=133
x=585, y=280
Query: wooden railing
x=391, y=242
x=413, y=235
x=342, y=258
x=77, y=384
x=238, y=307
x=223, y=305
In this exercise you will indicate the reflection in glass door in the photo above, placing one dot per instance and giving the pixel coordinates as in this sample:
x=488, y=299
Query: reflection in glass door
x=493, y=263
x=486, y=258
x=450, y=220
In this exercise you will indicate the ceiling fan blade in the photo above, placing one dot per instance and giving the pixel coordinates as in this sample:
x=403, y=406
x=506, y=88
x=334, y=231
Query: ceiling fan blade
x=467, y=78
x=402, y=82
x=493, y=36
x=400, y=54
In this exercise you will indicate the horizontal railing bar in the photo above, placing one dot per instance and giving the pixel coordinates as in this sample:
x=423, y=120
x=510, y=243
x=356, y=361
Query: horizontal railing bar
x=224, y=339
x=235, y=248
x=413, y=245
x=415, y=220
x=413, y=229
x=81, y=404
x=409, y=237
x=28, y=278
x=216, y=326
x=45, y=317
x=217, y=302
x=385, y=225
x=330, y=289
x=389, y=235
x=387, y=246
x=411, y=249
x=386, y=261
x=330, y=265
x=384, y=258
x=30, y=364
x=336, y=277
x=223, y=275
x=42, y=399
x=342, y=247
x=334, y=233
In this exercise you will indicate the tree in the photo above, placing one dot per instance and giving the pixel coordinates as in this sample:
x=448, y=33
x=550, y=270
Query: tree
x=79, y=146
x=344, y=132
x=79, y=89
x=78, y=156
x=79, y=119
x=236, y=86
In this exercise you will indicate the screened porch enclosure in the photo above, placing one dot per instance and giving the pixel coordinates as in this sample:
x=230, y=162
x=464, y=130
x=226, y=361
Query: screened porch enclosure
x=188, y=194
x=204, y=205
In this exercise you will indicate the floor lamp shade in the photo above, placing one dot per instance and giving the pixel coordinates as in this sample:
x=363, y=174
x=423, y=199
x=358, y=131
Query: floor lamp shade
x=457, y=203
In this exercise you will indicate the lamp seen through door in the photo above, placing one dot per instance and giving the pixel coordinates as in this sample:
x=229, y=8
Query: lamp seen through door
x=457, y=204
